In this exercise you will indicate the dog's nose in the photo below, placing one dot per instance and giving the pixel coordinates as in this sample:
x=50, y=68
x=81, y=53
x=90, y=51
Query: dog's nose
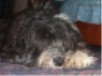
x=59, y=61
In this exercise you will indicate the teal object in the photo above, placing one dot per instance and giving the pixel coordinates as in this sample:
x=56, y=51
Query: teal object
x=84, y=10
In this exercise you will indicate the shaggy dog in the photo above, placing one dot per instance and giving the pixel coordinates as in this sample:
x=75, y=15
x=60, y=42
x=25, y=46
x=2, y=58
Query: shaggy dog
x=37, y=38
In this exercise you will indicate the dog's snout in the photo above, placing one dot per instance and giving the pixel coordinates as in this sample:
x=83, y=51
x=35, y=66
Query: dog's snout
x=59, y=61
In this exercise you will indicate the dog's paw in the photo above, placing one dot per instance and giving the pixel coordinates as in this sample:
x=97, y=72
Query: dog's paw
x=79, y=59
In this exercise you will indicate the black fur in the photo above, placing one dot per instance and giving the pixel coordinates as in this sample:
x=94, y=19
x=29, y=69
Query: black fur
x=33, y=31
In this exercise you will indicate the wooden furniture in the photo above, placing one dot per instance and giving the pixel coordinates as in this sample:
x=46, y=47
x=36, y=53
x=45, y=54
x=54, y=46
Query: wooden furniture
x=9, y=8
x=91, y=32
x=20, y=5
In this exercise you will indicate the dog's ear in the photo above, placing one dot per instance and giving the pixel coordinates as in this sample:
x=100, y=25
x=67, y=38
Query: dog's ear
x=66, y=18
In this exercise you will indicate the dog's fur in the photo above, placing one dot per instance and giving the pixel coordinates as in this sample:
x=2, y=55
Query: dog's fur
x=37, y=38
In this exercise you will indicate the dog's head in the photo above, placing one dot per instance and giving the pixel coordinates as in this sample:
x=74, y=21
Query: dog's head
x=54, y=36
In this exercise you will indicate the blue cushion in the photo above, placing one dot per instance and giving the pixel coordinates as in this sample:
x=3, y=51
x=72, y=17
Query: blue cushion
x=84, y=10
